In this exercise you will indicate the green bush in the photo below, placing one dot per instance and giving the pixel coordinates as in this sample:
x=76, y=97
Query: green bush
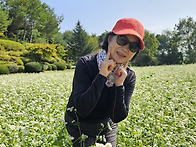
x=13, y=68
x=68, y=66
x=15, y=53
x=4, y=69
x=2, y=47
x=26, y=60
x=54, y=67
x=33, y=67
x=21, y=69
x=48, y=59
x=3, y=62
x=5, y=57
x=60, y=65
x=18, y=61
x=43, y=52
x=9, y=45
x=49, y=67
x=44, y=67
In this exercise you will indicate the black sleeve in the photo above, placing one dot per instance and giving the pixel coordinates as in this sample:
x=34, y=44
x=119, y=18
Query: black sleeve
x=122, y=99
x=86, y=91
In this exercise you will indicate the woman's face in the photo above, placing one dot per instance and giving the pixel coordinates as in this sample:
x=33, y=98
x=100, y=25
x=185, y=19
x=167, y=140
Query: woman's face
x=121, y=54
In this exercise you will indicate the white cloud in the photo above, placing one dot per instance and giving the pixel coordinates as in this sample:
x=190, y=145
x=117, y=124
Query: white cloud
x=158, y=29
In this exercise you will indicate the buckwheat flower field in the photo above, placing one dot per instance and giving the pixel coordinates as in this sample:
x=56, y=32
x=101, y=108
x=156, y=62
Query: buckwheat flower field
x=162, y=110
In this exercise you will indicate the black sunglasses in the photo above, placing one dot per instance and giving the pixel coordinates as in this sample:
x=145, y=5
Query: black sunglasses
x=122, y=40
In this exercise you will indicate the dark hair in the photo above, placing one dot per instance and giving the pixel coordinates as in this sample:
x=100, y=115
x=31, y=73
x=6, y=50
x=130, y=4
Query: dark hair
x=105, y=45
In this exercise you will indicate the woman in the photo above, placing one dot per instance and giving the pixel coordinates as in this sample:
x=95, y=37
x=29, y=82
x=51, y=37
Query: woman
x=103, y=85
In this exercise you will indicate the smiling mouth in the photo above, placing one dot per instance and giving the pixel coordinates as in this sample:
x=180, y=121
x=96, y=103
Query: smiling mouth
x=120, y=55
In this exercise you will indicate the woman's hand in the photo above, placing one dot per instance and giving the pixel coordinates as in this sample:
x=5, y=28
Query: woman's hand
x=120, y=75
x=107, y=65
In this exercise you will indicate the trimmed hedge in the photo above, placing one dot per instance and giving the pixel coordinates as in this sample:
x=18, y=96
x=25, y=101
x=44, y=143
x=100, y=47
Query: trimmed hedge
x=13, y=68
x=54, y=67
x=33, y=67
x=42, y=52
x=33, y=57
x=44, y=67
x=60, y=65
x=15, y=53
x=5, y=57
x=26, y=60
x=4, y=69
x=68, y=66
x=18, y=60
x=21, y=69
x=48, y=65
x=9, y=45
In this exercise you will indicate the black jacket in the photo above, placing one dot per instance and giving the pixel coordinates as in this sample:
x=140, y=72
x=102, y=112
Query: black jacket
x=93, y=100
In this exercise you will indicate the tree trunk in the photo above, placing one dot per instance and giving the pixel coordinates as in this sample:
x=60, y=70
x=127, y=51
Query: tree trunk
x=17, y=36
x=47, y=38
x=24, y=34
x=31, y=36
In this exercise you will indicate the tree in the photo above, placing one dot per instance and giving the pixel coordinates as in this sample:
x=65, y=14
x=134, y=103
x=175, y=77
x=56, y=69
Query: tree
x=63, y=38
x=79, y=43
x=174, y=56
x=185, y=31
x=168, y=52
x=49, y=23
x=30, y=20
x=59, y=39
x=4, y=21
x=25, y=18
x=93, y=41
x=17, y=14
x=147, y=56
x=34, y=10
x=102, y=37
x=162, y=49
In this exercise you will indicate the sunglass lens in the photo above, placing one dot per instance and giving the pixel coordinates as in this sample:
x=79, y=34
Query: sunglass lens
x=133, y=47
x=122, y=40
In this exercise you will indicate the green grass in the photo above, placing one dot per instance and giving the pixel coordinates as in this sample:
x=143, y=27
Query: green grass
x=32, y=108
x=162, y=109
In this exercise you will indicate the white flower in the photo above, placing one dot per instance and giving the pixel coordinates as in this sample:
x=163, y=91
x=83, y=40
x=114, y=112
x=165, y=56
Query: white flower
x=3, y=145
x=99, y=145
x=41, y=123
x=70, y=109
x=108, y=145
x=83, y=136
x=101, y=138
x=25, y=131
x=104, y=139
x=70, y=138
x=109, y=127
x=102, y=145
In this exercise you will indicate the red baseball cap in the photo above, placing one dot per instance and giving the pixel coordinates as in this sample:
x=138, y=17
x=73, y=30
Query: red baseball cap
x=130, y=26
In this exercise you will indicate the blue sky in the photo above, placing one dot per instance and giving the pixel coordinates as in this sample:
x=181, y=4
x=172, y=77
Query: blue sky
x=97, y=16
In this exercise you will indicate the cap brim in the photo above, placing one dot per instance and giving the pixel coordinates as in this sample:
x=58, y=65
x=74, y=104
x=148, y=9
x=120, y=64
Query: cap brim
x=130, y=32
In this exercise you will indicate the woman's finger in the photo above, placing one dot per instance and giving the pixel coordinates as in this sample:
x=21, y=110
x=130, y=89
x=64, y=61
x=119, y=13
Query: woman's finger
x=126, y=65
x=119, y=71
x=116, y=69
x=107, y=55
